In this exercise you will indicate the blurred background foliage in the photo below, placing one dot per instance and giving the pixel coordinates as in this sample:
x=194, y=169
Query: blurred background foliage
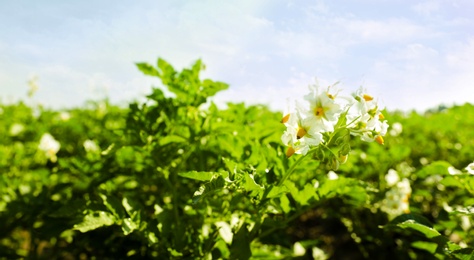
x=177, y=177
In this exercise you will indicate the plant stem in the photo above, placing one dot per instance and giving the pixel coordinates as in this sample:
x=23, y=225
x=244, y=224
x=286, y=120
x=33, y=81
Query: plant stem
x=292, y=168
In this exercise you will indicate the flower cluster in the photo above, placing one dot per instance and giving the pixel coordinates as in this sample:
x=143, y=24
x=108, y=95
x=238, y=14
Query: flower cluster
x=308, y=125
x=49, y=146
x=396, y=198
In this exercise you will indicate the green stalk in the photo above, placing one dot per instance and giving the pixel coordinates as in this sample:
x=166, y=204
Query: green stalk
x=293, y=167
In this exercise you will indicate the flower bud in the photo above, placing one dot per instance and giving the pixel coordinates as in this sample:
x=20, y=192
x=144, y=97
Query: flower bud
x=379, y=139
x=343, y=158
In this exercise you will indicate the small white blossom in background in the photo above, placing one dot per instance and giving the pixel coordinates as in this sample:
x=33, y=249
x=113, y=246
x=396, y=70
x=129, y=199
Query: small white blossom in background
x=396, y=129
x=424, y=161
x=318, y=254
x=16, y=129
x=453, y=171
x=64, y=116
x=396, y=199
x=298, y=249
x=465, y=223
x=90, y=146
x=49, y=146
x=332, y=175
x=392, y=177
x=470, y=168
x=320, y=114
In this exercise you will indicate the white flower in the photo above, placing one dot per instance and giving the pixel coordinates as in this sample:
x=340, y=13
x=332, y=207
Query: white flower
x=307, y=126
x=49, y=146
x=300, y=135
x=365, y=118
x=470, y=168
x=404, y=186
x=16, y=129
x=324, y=108
x=392, y=177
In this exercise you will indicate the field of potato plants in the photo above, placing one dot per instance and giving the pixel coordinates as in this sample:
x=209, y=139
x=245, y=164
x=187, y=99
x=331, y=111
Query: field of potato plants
x=176, y=177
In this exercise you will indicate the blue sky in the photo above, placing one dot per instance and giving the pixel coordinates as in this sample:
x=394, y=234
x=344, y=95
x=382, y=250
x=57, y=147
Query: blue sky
x=409, y=54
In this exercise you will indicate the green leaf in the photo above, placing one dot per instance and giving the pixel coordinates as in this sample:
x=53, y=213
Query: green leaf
x=304, y=196
x=200, y=176
x=411, y=216
x=464, y=211
x=132, y=207
x=425, y=230
x=113, y=204
x=435, y=168
x=157, y=95
x=249, y=183
x=73, y=207
x=240, y=247
x=277, y=191
x=285, y=204
x=171, y=139
x=210, y=88
x=427, y=246
x=147, y=69
x=451, y=181
x=128, y=226
x=95, y=220
x=215, y=184
x=167, y=76
x=464, y=253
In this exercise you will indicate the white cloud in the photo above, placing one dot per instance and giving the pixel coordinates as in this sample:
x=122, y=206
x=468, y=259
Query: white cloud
x=266, y=50
x=420, y=77
x=392, y=30
x=426, y=8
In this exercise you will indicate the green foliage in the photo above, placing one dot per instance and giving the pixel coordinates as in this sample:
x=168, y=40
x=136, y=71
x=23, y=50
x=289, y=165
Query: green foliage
x=176, y=177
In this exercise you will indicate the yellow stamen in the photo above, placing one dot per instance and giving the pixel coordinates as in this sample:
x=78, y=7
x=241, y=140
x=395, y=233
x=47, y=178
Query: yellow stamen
x=367, y=97
x=285, y=118
x=319, y=111
x=381, y=116
x=290, y=152
x=379, y=139
x=301, y=132
x=331, y=96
